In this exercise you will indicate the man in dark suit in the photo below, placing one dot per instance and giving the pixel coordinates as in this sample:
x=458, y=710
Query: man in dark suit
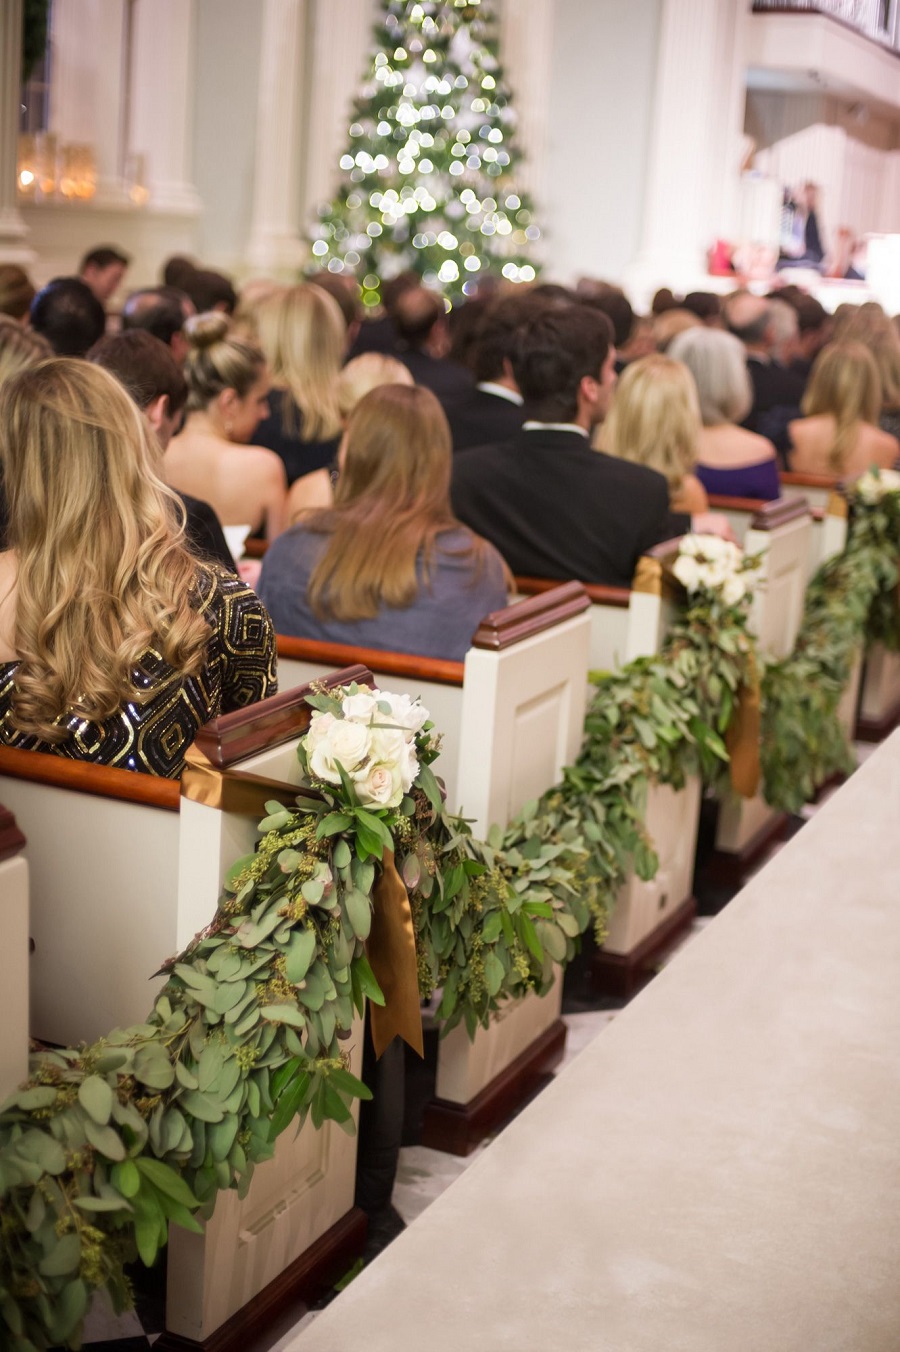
x=493, y=409
x=420, y=321
x=553, y=506
x=777, y=390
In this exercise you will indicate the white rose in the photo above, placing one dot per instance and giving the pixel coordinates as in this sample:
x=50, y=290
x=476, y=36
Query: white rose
x=687, y=570
x=690, y=546
x=382, y=787
x=318, y=730
x=890, y=481
x=346, y=744
x=360, y=706
x=734, y=589
x=409, y=713
x=409, y=768
x=388, y=745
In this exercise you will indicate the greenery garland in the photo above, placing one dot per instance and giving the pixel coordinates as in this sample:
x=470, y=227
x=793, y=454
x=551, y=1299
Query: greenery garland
x=851, y=600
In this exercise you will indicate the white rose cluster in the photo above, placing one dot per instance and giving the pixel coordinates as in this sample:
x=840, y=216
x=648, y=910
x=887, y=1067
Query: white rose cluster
x=709, y=563
x=872, y=486
x=373, y=740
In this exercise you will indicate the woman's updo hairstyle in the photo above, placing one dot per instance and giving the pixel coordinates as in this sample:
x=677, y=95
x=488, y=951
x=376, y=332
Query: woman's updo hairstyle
x=217, y=360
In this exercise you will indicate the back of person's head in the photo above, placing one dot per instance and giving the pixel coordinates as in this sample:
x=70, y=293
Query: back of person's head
x=218, y=361
x=342, y=288
x=415, y=314
x=68, y=314
x=392, y=288
x=103, y=269
x=391, y=500
x=718, y=363
x=859, y=323
x=102, y=571
x=302, y=333
x=497, y=334
x=664, y=299
x=209, y=291
x=845, y=383
x=706, y=305
x=612, y=302
x=554, y=353
x=159, y=310
x=655, y=417
x=144, y=365
x=785, y=326
x=254, y=294
x=748, y=317
x=885, y=348
x=667, y=324
x=366, y=372
x=176, y=270
x=16, y=291
x=553, y=293
x=19, y=347
x=811, y=315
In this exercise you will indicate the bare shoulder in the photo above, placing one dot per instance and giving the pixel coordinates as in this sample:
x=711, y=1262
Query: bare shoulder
x=265, y=462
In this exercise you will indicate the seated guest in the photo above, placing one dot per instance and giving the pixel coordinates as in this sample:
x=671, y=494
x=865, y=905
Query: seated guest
x=388, y=566
x=228, y=385
x=16, y=291
x=552, y=506
x=655, y=421
x=669, y=323
x=423, y=341
x=776, y=390
x=303, y=335
x=492, y=409
x=210, y=290
x=153, y=379
x=731, y=460
x=20, y=347
x=68, y=314
x=163, y=312
x=813, y=332
x=102, y=270
x=707, y=306
x=345, y=290
x=885, y=348
x=116, y=645
x=359, y=376
x=839, y=434
x=377, y=332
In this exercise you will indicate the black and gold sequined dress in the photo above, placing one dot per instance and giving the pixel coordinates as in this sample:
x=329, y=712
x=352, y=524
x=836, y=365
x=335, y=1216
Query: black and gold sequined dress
x=153, y=736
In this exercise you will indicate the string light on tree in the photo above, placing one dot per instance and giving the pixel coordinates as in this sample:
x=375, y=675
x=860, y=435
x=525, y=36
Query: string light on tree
x=428, y=172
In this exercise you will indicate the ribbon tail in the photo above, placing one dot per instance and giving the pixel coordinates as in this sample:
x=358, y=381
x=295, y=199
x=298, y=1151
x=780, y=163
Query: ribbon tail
x=742, y=737
x=391, y=950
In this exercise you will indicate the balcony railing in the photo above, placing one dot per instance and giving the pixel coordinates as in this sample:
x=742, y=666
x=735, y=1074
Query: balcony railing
x=875, y=19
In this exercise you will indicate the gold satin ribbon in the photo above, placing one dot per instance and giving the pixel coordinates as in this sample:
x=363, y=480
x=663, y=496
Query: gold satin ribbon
x=391, y=947
x=391, y=950
x=742, y=737
x=648, y=576
x=232, y=790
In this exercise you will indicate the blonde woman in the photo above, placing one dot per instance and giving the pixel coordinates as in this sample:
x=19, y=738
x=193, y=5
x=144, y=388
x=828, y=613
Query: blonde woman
x=388, y=566
x=359, y=376
x=303, y=335
x=655, y=421
x=116, y=644
x=839, y=433
x=730, y=459
x=228, y=386
x=19, y=348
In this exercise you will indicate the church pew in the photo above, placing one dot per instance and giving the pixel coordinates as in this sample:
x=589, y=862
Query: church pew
x=512, y=716
x=780, y=532
x=609, y=618
x=879, y=703
x=829, y=532
x=816, y=488
x=13, y=956
x=297, y=1228
x=716, y=1170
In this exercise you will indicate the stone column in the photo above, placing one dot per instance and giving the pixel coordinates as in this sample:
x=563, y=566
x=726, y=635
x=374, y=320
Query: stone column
x=13, y=231
x=693, y=171
x=89, y=77
x=161, y=99
x=275, y=244
x=341, y=42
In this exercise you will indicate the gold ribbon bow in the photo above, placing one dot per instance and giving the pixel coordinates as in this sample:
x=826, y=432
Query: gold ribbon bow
x=742, y=737
x=391, y=947
x=391, y=951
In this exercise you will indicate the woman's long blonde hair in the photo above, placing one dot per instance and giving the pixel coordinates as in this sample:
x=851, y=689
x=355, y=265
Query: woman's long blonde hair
x=302, y=332
x=655, y=418
x=392, y=500
x=844, y=383
x=102, y=571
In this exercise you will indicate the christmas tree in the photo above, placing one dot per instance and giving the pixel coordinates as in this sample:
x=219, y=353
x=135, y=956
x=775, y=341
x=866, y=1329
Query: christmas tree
x=428, y=176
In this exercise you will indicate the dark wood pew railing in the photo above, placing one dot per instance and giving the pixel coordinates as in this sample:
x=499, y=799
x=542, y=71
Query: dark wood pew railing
x=597, y=593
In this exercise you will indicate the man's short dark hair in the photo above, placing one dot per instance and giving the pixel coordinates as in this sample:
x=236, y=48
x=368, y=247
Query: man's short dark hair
x=144, y=365
x=104, y=257
x=612, y=302
x=157, y=309
x=342, y=288
x=69, y=316
x=811, y=314
x=704, y=304
x=552, y=355
x=208, y=289
x=496, y=337
x=415, y=314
